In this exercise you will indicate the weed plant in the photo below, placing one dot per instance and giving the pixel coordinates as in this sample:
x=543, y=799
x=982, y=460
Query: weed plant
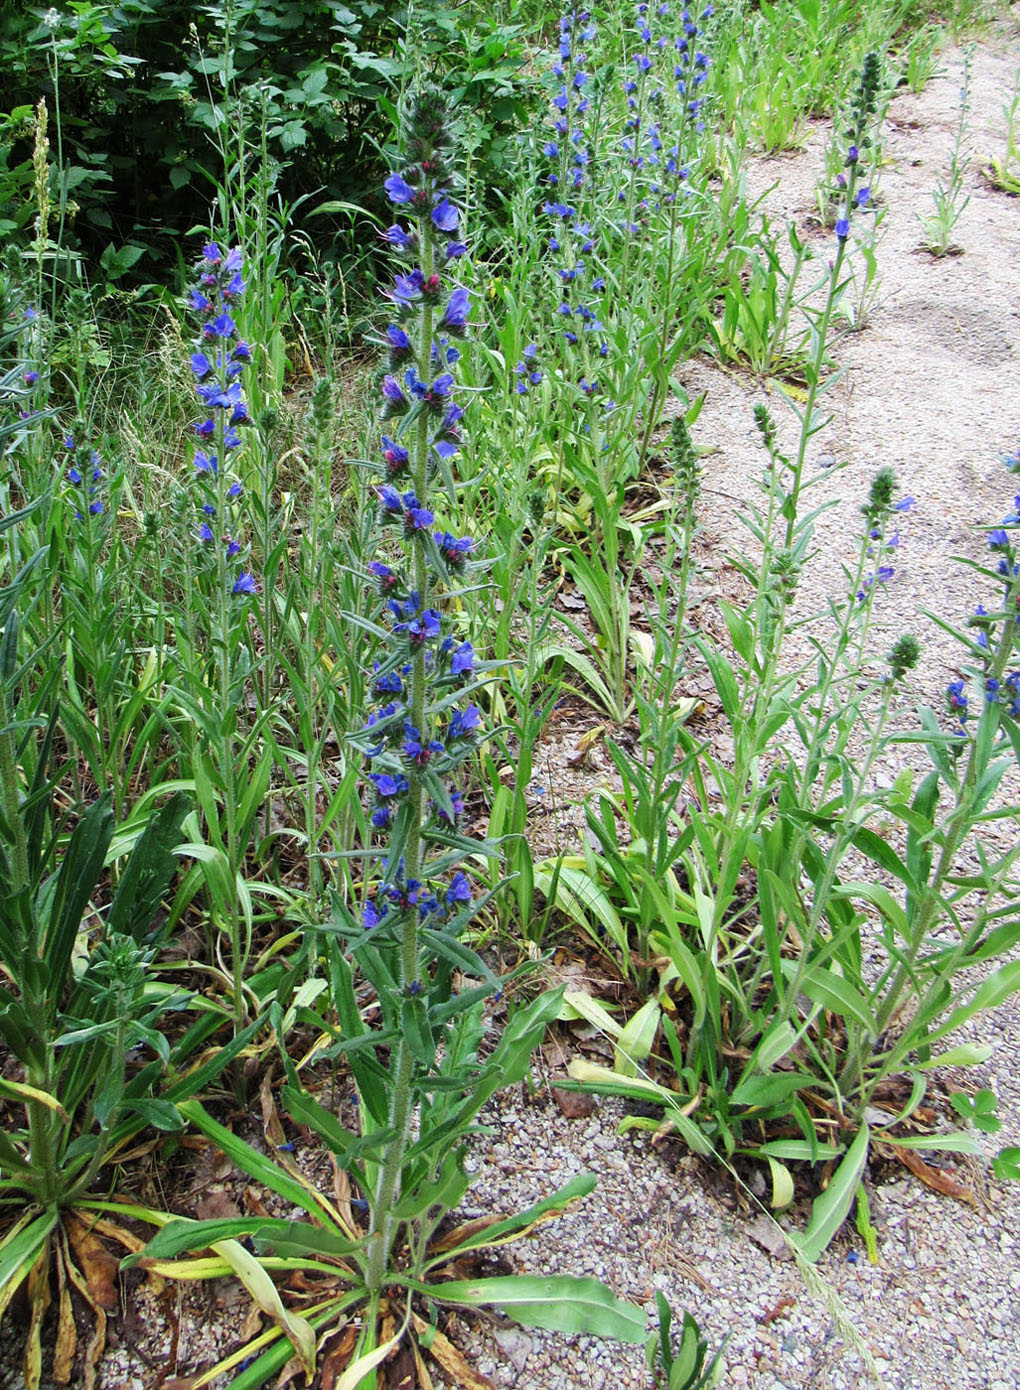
x=948, y=196
x=1004, y=172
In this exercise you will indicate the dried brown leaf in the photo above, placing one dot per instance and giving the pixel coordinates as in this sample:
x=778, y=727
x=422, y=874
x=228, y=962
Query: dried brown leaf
x=932, y=1177
x=461, y=1233
x=574, y=1105
x=39, y=1301
x=453, y=1362
x=97, y=1342
x=216, y=1205
x=338, y=1358
x=97, y=1263
x=67, y=1334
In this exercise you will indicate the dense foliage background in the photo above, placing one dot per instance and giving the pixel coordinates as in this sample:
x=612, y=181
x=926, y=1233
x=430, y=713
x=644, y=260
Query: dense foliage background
x=157, y=99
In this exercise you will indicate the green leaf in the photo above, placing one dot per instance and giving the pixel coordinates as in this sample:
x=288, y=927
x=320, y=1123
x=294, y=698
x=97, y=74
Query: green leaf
x=959, y=1142
x=79, y=873
x=989, y=994
x=635, y=1041
x=557, y=1302
x=1006, y=1166
x=249, y=1160
x=761, y=1092
x=161, y=1114
x=416, y=1030
x=20, y=1250
x=835, y=993
x=512, y=1226
x=963, y=1055
x=831, y=1208
x=149, y=870
x=577, y=894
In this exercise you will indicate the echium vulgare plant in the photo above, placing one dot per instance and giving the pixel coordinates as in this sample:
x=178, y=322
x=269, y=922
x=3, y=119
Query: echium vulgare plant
x=415, y=1064
x=417, y=1111
x=219, y=583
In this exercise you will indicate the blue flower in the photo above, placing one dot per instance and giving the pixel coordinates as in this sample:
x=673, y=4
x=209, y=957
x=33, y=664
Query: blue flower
x=419, y=752
x=454, y=319
x=956, y=699
x=371, y=917
x=387, y=785
x=245, y=583
x=400, y=344
x=445, y=216
x=396, y=457
x=396, y=401
x=399, y=190
x=842, y=228
x=403, y=240
x=407, y=288
x=222, y=326
x=454, y=550
x=998, y=540
x=459, y=890
x=464, y=723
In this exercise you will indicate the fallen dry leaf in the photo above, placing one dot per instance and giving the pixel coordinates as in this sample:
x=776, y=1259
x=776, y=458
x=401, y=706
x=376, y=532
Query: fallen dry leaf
x=453, y=1362
x=98, y=1265
x=67, y=1334
x=338, y=1358
x=932, y=1177
x=771, y=1239
x=216, y=1205
x=574, y=1105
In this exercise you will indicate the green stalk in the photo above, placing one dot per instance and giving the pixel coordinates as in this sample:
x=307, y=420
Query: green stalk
x=226, y=723
x=383, y=1224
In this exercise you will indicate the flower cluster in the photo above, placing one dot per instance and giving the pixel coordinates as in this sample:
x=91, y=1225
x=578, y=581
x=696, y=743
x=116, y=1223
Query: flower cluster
x=878, y=511
x=217, y=365
x=567, y=160
x=420, y=731
x=84, y=474
x=850, y=192
x=664, y=58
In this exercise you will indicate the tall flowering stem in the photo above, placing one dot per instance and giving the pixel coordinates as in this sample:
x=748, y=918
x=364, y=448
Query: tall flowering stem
x=423, y=727
x=855, y=198
x=218, y=362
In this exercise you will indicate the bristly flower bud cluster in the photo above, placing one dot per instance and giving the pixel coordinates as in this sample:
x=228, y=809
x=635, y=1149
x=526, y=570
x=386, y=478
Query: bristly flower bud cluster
x=854, y=194
x=903, y=656
x=880, y=509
